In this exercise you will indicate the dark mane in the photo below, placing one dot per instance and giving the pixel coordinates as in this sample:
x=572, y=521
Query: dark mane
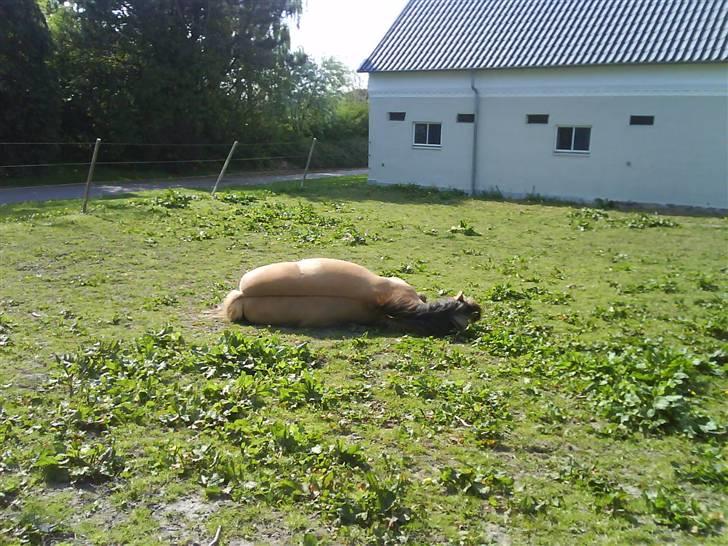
x=439, y=318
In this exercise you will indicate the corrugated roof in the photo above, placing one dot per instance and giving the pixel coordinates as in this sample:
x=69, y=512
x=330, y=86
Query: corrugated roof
x=487, y=34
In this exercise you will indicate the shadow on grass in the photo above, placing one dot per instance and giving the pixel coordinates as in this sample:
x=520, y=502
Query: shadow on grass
x=357, y=188
x=338, y=333
x=349, y=331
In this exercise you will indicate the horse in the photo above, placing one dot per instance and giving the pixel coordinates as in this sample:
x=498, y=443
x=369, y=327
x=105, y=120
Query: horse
x=323, y=292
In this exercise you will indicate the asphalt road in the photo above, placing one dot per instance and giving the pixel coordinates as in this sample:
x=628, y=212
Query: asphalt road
x=75, y=191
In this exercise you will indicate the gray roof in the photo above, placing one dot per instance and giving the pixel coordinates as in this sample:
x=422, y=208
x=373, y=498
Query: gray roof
x=488, y=34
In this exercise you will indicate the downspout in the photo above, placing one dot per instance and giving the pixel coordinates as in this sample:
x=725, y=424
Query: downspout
x=476, y=111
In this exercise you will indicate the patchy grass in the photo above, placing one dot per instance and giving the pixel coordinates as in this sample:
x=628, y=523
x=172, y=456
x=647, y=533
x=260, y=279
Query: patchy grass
x=588, y=406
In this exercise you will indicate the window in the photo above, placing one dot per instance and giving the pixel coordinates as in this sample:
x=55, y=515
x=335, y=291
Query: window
x=573, y=139
x=466, y=118
x=642, y=120
x=397, y=116
x=537, y=119
x=428, y=134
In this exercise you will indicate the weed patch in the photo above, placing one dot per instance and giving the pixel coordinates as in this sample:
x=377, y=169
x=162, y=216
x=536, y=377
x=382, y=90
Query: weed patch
x=707, y=465
x=231, y=391
x=586, y=219
x=670, y=507
x=648, y=388
x=476, y=482
x=464, y=228
x=172, y=199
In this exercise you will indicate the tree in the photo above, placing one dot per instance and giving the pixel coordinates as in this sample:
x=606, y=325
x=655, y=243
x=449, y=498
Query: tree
x=312, y=92
x=166, y=70
x=28, y=92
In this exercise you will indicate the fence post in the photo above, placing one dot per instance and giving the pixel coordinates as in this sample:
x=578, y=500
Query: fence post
x=225, y=166
x=308, y=161
x=90, y=174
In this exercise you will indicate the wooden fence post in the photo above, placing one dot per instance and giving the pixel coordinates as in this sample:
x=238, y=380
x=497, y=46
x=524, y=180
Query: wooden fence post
x=90, y=174
x=225, y=166
x=308, y=162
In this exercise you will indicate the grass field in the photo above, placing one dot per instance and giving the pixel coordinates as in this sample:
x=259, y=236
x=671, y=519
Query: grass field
x=588, y=406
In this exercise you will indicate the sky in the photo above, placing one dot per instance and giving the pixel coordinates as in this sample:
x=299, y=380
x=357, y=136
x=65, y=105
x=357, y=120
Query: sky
x=348, y=30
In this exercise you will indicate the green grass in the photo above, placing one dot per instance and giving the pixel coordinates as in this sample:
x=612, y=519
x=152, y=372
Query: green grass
x=587, y=406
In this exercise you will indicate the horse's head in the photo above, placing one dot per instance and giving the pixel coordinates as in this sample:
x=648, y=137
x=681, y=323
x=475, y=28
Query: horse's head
x=466, y=311
x=438, y=318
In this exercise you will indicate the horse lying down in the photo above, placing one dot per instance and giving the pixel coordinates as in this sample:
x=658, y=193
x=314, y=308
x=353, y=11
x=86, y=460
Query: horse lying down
x=324, y=292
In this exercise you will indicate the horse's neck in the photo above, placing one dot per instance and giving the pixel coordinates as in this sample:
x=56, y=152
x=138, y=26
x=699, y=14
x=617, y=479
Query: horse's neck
x=398, y=293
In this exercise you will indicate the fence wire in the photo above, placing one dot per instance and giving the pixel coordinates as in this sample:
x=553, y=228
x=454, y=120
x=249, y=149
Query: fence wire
x=176, y=161
x=53, y=162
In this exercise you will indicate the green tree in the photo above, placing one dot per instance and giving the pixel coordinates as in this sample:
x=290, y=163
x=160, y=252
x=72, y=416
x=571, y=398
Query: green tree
x=351, y=117
x=167, y=70
x=28, y=93
x=312, y=92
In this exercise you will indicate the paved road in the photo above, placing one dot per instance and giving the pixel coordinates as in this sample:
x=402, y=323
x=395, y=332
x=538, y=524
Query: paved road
x=75, y=191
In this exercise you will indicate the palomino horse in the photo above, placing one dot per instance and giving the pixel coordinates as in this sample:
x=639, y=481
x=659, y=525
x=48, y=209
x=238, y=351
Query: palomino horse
x=326, y=292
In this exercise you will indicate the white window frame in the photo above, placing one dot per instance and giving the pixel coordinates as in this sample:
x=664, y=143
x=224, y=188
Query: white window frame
x=428, y=123
x=573, y=137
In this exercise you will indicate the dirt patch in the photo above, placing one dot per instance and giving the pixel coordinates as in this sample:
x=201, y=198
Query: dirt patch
x=498, y=535
x=184, y=520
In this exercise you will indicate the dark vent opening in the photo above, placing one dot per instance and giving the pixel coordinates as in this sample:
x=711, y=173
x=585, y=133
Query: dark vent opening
x=397, y=116
x=642, y=120
x=540, y=119
x=466, y=118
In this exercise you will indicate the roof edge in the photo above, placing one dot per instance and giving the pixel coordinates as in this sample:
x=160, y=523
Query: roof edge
x=534, y=67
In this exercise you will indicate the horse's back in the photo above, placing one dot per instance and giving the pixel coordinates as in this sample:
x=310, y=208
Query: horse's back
x=316, y=277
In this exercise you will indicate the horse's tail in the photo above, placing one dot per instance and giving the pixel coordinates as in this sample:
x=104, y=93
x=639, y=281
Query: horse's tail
x=439, y=318
x=232, y=306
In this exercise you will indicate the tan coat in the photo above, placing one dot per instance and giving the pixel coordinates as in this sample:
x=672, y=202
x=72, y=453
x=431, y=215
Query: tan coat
x=316, y=292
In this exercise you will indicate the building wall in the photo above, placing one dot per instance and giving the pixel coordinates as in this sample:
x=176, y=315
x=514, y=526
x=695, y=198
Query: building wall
x=681, y=159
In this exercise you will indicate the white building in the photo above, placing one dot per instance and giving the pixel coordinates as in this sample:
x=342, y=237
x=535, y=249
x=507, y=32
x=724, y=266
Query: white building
x=574, y=99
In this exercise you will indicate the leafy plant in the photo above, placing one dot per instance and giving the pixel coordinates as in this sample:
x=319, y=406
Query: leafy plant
x=416, y=266
x=610, y=496
x=585, y=218
x=505, y=292
x=644, y=221
x=619, y=311
x=380, y=504
x=531, y=505
x=707, y=466
x=669, y=507
x=236, y=198
x=465, y=229
x=649, y=388
x=79, y=463
x=173, y=199
x=353, y=238
x=9, y=491
x=707, y=283
x=510, y=331
x=476, y=482
x=34, y=529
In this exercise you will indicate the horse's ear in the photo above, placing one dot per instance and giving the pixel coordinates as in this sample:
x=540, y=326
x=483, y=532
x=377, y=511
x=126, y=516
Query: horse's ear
x=460, y=296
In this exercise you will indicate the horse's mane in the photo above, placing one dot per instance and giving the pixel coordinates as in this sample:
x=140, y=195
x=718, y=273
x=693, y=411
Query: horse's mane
x=438, y=318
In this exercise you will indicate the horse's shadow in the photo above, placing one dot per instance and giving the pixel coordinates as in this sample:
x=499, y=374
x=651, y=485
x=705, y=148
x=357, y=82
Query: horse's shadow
x=339, y=333
x=350, y=332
